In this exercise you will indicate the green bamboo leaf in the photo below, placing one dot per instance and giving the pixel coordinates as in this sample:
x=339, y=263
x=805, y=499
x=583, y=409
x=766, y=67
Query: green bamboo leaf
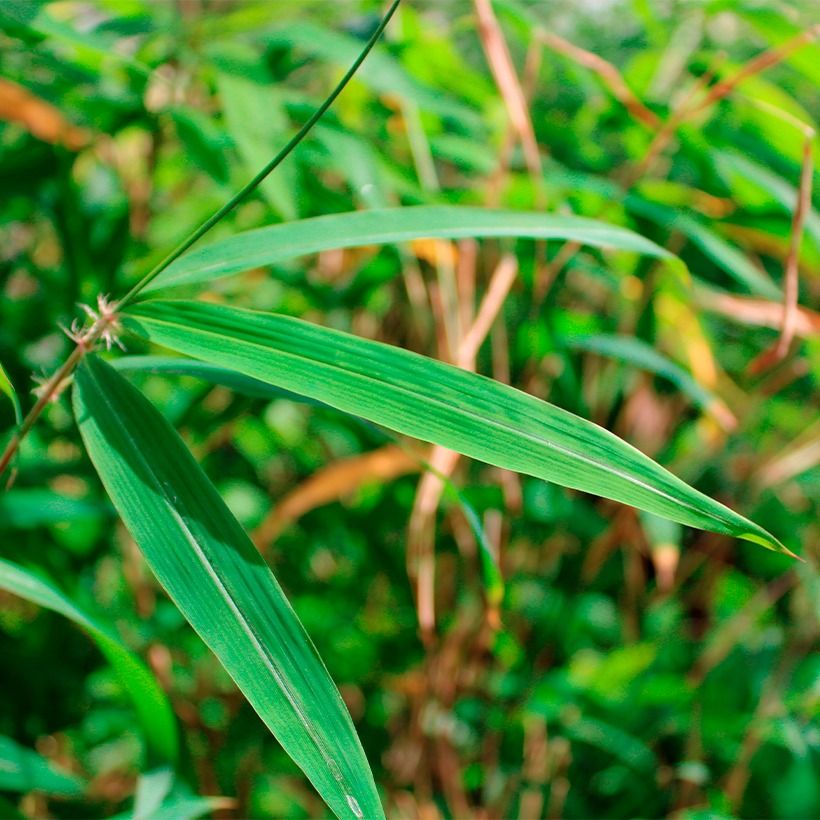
x=150, y=702
x=277, y=243
x=728, y=257
x=771, y=185
x=34, y=507
x=8, y=388
x=257, y=121
x=434, y=402
x=178, y=366
x=220, y=583
x=159, y=796
x=152, y=788
x=714, y=247
x=640, y=354
x=382, y=72
x=23, y=770
x=89, y=49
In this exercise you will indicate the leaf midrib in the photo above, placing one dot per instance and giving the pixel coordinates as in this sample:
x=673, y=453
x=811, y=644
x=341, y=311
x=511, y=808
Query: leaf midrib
x=211, y=569
x=482, y=420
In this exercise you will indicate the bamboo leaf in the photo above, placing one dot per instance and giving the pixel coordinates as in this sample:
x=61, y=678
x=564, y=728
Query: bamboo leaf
x=178, y=366
x=159, y=796
x=8, y=388
x=772, y=186
x=382, y=72
x=23, y=770
x=277, y=243
x=220, y=583
x=714, y=247
x=150, y=702
x=434, y=402
x=257, y=121
x=640, y=354
x=32, y=507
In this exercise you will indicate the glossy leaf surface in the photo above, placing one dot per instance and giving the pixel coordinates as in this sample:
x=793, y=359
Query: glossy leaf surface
x=435, y=402
x=152, y=706
x=278, y=243
x=221, y=584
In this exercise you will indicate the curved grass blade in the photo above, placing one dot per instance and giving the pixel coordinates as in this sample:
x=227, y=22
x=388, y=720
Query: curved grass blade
x=150, y=702
x=637, y=352
x=32, y=507
x=23, y=770
x=714, y=247
x=8, y=388
x=277, y=243
x=222, y=376
x=435, y=402
x=220, y=583
x=775, y=187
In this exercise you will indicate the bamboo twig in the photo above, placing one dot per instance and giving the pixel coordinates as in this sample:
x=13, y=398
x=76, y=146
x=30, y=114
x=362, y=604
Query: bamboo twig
x=756, y=65
x=88, y=339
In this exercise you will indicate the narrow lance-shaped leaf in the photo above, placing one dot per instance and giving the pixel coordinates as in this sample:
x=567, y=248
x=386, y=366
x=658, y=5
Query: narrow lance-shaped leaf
x=150, y=702
x=8, y=388
x=179, y=366
x=31, y=507
x=435, y=402
x=220, y=583
x=637, y=352
x=277, y=243
x=722, y=253
x=23, y=770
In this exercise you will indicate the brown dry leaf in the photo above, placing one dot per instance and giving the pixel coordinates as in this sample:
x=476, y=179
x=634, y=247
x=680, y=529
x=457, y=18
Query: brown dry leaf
x=758, y=312
x=337, y=480
x=435, y=251
x=41, y=119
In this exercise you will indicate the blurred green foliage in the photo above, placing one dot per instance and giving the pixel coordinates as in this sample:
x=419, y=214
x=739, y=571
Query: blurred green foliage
x=633, y=669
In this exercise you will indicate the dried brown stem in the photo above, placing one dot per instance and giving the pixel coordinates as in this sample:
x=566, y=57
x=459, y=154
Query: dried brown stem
x=610, y=76
x=757, y=312
x=687, y=109
x=754, y=66
x=792, y=272
x=664, y=135
x=421, y=535
x=501, y=65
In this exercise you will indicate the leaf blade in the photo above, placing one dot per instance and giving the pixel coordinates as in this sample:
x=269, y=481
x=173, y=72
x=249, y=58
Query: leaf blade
x=24, y=770
x=8, y=388
x=150, y=702
x=434, y=402
x=277, y=243
x=635, y=351
x=217, y=579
